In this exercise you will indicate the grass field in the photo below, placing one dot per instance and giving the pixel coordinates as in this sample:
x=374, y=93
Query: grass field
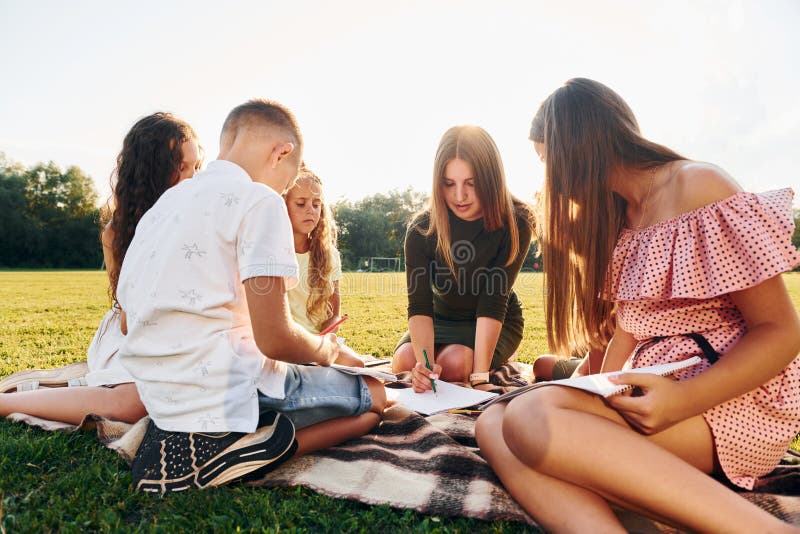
x=53, y=481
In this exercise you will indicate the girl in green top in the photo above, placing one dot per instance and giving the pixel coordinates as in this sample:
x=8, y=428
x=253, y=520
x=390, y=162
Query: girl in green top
x=463, y=254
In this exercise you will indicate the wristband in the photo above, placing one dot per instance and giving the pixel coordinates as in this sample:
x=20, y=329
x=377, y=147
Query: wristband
x=476, y=379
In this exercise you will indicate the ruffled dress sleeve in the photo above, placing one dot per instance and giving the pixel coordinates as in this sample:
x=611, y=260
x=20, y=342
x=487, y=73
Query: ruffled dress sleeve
x=726, y=246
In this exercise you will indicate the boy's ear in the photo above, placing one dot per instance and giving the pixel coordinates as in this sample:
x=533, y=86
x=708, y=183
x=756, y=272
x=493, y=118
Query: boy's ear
x=281, y=152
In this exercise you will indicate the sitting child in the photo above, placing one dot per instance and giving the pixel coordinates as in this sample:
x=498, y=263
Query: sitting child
x=315, y=303
x=159, y=151
x=204, y=284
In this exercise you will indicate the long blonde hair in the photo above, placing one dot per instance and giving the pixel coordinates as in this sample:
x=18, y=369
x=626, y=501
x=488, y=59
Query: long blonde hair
x=322, y=241
x=589, y=133
x=475, y=146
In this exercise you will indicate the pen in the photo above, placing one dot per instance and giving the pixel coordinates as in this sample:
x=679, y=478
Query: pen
x=428, y=365
x=334, y=325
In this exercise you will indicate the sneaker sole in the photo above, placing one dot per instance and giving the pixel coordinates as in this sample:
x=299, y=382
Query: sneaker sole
x=254, y=477
x=45, y=377
x=269, y=444
x=263, y=450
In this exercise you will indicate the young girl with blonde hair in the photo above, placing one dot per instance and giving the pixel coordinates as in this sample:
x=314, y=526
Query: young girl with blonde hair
x=463, y=255
x=315, y=301
x=691, y=265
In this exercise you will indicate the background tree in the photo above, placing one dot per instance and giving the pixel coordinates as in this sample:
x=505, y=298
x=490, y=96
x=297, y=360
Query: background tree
x=14, y=224
x=48, y=217
x=375, y=225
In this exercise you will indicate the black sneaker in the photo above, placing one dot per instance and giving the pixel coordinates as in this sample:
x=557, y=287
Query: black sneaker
x=254, y=477
x=177, y=461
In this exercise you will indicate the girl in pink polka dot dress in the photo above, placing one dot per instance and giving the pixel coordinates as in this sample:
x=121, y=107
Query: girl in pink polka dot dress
x=691, y=266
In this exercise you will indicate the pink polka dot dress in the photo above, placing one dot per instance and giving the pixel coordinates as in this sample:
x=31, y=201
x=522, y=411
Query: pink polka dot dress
x=674, y=278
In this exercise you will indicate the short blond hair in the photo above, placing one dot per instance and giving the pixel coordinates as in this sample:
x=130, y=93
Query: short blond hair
x=262, y=112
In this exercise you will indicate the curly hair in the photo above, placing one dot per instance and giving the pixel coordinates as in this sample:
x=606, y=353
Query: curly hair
x=148, y=164
x=322, y=241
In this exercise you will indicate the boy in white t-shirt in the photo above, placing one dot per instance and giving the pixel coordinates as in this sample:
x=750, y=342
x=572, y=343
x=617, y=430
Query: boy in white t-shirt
x=204, y=285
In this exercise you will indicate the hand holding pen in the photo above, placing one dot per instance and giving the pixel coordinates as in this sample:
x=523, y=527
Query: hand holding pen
x=424, y=375
x=334, y=325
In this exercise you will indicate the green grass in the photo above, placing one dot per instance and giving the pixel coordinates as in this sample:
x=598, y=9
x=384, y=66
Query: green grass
x=376, y=303
x=54, y=481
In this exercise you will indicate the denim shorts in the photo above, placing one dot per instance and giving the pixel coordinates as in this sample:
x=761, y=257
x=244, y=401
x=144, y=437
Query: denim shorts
x=315, y=394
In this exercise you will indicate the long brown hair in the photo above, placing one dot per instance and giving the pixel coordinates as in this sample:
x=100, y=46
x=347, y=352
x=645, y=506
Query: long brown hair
x=589, y=133
x=475, y=146
x=322, y=241
x=148, y=164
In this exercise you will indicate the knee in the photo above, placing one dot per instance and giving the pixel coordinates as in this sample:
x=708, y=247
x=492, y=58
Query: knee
x=543, y=367
x=123, y=404
x=456, y=362
x=527, y=426
x=403, y=359
x=488, y=426
x=378, y=394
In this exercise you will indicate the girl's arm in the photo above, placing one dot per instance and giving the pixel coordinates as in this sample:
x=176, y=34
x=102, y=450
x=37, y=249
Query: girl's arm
x=771, y=342
x=420, y=295
x=107, y=239
x=420, y=328
x=487, y=332
x=336, y=308
x=493, y=297
x=619, y=348
x=591, y=363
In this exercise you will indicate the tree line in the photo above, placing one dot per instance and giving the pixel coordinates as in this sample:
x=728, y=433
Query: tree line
x=49, y=219
x=376, y=227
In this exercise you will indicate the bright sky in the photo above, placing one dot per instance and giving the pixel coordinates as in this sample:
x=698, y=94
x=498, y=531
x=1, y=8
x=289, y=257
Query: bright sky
x=375, y=84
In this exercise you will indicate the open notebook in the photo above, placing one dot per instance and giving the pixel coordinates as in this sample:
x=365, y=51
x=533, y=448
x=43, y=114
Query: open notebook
x=447, y=397
x=599, y=384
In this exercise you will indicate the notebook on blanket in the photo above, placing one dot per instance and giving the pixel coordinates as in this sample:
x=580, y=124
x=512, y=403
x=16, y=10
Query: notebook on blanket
x=599, y=384
x=447, y=397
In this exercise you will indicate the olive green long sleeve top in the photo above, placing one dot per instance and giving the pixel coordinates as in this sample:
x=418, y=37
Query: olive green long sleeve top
x=482, y=285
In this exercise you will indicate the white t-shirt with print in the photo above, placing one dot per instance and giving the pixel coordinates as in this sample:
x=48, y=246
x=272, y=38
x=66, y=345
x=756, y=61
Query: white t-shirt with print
x=298, y=296
x=190, y=346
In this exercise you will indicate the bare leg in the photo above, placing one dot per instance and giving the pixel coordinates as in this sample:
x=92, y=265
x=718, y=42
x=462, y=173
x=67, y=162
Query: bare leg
x=71, y=405
x=543, y=367
x=548, y=429
x=558, y=506
x=403, y=359
x=330, y=433
x=456, y=362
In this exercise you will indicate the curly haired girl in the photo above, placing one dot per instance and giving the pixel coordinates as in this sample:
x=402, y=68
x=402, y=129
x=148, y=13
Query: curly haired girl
x=159, y=151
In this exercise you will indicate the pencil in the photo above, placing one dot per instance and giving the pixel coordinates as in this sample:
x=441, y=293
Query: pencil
x=428, y=365
x=466, y=412
x=334, y=325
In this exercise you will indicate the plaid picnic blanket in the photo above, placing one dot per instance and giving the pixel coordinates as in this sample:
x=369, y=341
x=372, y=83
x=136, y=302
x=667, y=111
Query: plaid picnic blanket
x=429, y=464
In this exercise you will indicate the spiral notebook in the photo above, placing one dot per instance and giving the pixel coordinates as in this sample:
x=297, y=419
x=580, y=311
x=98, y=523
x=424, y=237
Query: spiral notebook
x=599, y=384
